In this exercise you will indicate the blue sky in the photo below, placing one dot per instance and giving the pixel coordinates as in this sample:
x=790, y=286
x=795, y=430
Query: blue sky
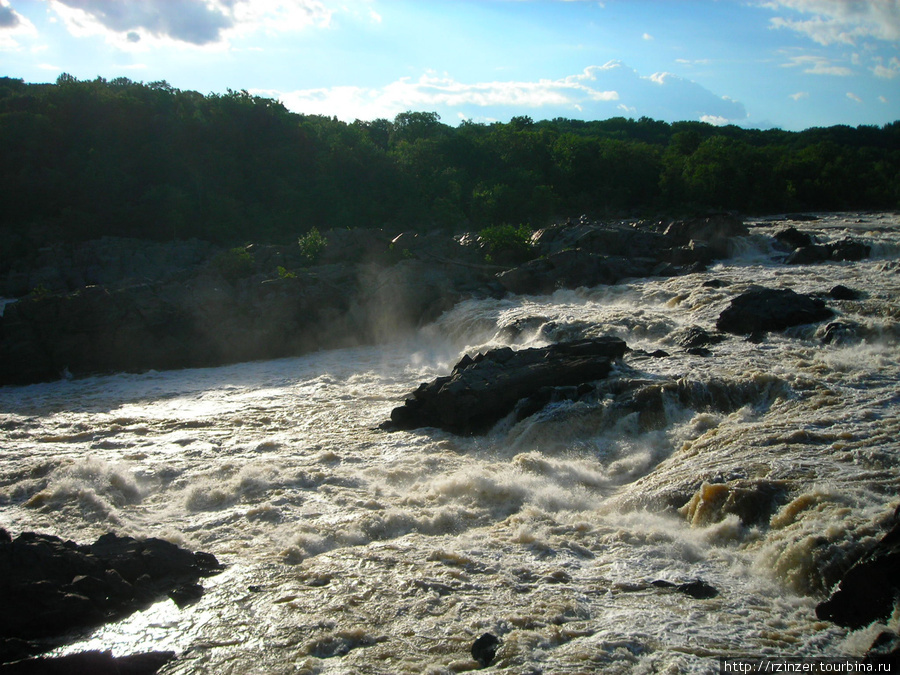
x=791, y=64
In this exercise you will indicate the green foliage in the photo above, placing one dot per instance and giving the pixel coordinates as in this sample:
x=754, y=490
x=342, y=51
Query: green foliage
x=84, y=159
x=284, y=273
x=506, y=243
x=311, y=245
x=236, y=263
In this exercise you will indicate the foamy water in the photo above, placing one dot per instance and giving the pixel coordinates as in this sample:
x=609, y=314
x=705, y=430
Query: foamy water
x=353, y=550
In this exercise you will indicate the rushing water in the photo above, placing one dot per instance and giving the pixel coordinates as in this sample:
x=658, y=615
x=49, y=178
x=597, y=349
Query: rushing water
x=354, y=550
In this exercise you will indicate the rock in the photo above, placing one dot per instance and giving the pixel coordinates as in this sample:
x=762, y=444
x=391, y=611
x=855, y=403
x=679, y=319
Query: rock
x=91, y=663
x=484, y=649
x=50, y=587
x=715, y=231
x=696, y=337
x=484, y=389
x=841, y=292
x=846, y=249
x=766, y=309
x=572, y=268
x=869, y=590
x=793, y=238
x=885, y=650
x=697, y=588
x=841, y=332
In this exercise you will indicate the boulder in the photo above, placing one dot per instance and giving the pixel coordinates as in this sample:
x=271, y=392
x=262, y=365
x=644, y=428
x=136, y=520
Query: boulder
x=485, y=389
x=793, y=238
x=843, y=250
x=767, y=309
x=50, y=587
x=715, y=231
x=870, y=589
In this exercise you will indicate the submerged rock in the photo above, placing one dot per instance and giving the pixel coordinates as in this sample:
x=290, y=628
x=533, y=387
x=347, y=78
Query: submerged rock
x=484, y=389
x=870, y=588
x=768, y=309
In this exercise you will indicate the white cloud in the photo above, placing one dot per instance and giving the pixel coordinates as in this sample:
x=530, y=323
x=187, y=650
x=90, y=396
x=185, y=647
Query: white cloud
x=13, y=27
x=800, y=95
x=596, y=92
x=889, y=71
x=193, y=22
x=647, y=36
x=840, y=21
x=853, y=97
x=817, y=65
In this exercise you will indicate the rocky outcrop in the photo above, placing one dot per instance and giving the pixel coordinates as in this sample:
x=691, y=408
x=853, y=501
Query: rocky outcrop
x=573, y=268
x=843, y=250
x=50, y=587
x=767, y=309
x=210, y=319
x=484, y=389
x=870, y=589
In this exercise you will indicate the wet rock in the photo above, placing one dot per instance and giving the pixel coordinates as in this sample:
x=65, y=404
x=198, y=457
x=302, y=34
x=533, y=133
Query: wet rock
x=793, y=238
x=484, y=649
x=766, y=309
x=696, y=337
x=841, y=292
x=715, y=231
x=50, y=587
x=483, y=389
x=841, y=332
x=90, y=663
x=869, y=590
x=885, y=650
x=843, y=250
x=715, y=283
x=698, y=589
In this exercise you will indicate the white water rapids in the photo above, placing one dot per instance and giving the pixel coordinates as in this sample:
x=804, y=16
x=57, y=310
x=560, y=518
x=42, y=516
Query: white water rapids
x=354, y=550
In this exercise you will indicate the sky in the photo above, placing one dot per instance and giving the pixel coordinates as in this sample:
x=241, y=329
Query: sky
x=789, y=64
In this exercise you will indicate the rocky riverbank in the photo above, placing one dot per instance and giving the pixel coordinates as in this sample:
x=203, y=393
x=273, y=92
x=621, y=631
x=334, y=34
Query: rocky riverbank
x=125, y=305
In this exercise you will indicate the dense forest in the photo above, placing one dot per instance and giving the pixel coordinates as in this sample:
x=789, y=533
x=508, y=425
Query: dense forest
x=83, y=159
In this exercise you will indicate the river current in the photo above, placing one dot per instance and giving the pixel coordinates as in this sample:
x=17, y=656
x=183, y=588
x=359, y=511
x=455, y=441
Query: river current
x=354, y=550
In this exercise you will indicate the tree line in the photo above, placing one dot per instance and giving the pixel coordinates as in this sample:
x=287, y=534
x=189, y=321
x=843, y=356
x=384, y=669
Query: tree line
x=88, y=158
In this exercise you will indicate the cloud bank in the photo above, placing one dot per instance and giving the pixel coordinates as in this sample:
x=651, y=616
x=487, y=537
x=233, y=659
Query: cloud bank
x=840, y=21
x=191, y=22
x=595, y=93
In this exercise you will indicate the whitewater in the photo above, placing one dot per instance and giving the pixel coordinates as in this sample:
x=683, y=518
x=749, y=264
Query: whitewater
x=350, y=549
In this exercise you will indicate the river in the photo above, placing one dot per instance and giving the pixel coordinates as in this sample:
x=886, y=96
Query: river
x=355, y=550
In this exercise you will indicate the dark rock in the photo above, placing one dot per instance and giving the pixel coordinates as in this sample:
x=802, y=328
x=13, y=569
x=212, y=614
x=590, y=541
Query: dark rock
x=715, y=231
x=186, y=594
x=793, y=238
x=484, y=649
x=766, y=309
x=869, y=590
x=484, y=389
x=50, y=587
x=715, y=283
x=841, y=332
x=696, y=337
x=841, y=292
x=802, y=217
x=885, y=650
x=90, y=663
x=572, y=268
x=699, y=589
x=846, y=249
